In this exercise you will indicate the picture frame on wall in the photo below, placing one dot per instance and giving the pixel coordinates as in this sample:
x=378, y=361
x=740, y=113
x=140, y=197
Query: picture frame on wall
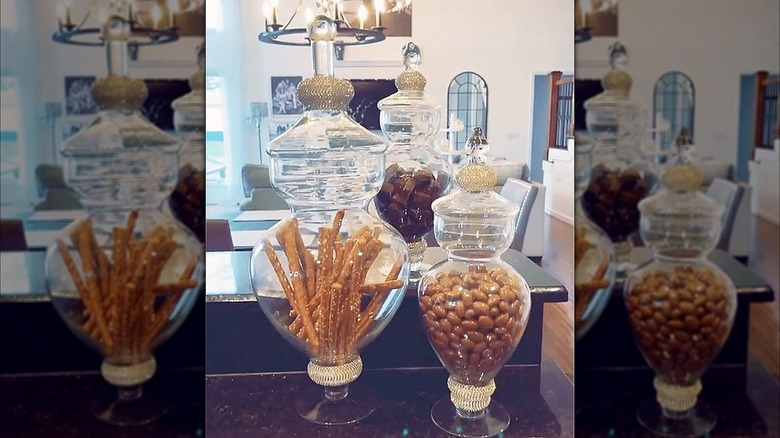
x=189, y=16
x=284, y=97
x=78, y=97
x=599, y=16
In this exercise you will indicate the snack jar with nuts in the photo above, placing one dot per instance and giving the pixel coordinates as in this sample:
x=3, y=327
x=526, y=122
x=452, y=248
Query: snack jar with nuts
x=594, y=254
x=681, y=306
x=417, y=175
x=621, y=175
x=475, y=307
x=331, y=277
x=188, y=200
x=125, y=276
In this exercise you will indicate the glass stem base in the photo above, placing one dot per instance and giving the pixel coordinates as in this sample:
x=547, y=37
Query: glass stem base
x=335, y=405
x=416, y=255
x=485, y=423
x=695, y=422
x=128, y=407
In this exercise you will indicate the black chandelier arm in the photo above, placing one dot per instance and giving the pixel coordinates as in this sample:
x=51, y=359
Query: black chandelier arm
x=356, y=36
x=152, y=36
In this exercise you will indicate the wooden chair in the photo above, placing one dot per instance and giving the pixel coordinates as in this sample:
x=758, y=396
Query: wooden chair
x=218, y=236
x=12, y=235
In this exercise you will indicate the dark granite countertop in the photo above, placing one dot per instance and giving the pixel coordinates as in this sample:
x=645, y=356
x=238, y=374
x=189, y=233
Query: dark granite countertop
x=539, y=399
x=746, y=401
x=57, y=405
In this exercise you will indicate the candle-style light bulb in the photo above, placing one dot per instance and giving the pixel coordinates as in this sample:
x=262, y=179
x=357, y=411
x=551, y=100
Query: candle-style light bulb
x=585, y=6
x=156, y=15
x=103, y=15
x=268, y=13
x=379, y=8
x=60, y=14
x=309, y=15
x=275, y=10
x=362, y=15
x=173, y=9
x=336, y=9
x=68, y=6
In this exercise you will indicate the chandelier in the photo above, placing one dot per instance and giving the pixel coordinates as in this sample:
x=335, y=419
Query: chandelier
x=156, y=27
x=365, y=28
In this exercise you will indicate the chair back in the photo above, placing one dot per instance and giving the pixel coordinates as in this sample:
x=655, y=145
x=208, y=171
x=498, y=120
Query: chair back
x=255, y=176
x=524, y=194
x=12, y=235
x=218, y=236
x=728, y=194
x=265, y=198
x=59, y=198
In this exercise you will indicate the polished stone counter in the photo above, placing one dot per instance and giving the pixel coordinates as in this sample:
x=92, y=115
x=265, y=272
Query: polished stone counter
x=57, y=405
x=745, y=400
x=538, y=398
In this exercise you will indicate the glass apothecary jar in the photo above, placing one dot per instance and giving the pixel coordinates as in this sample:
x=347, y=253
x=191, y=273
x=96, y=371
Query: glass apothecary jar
x=125, y=276
x=417, y=175
x=475, y=306
x=331, y=277
x=681, y=306
x=594, y=253
x=621, y=175
x=188, y=200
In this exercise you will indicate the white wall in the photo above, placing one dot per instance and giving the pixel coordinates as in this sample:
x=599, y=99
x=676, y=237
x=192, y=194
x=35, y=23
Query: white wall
x=56, y=61
x=712, y=41
x=506, y=42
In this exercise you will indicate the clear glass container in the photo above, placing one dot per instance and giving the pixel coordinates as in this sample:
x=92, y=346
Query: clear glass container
x=621, y=175
x=331, y=277
x=475, y=306
x=123, y=277
x=681, y=306
x=594, y=253
x=188, y=200
x=417, y=175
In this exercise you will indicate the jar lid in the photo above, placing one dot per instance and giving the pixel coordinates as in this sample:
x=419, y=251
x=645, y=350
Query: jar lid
x=326, y=159
x=410, y=112
x=680, y=216
x=616, y=83
x=195, y=100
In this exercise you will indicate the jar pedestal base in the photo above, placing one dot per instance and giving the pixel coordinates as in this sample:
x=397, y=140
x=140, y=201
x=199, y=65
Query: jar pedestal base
x=491, y=422
x=698, y=422
x=129, y=408
x=336, y=405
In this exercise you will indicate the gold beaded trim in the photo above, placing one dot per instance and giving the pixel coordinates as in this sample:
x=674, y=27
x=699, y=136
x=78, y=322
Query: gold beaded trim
x=335, y=375
x=410, y=80
x=675, y=397
x=477, y=177
x=325, y=93
x=470, y=398
x=119, y=92
x=128, y=375
x=683, y=178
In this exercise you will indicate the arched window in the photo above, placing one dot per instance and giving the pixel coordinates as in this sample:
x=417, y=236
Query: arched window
x=674, y=99
x=468, y=100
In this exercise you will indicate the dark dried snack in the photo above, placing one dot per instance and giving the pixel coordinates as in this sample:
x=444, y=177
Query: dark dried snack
x=188, y=200
x=405, y=199
x=612, y=198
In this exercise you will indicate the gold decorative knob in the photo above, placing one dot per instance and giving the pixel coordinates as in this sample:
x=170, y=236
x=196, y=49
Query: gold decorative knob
x=119, y=92
x=325, y=93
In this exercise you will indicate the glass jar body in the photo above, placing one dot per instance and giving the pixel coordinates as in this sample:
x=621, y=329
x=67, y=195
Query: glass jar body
x=681, y=310
x=124, y=292
x=475, y=313
x=415, y=178
x=594, y=270
x=332, y=265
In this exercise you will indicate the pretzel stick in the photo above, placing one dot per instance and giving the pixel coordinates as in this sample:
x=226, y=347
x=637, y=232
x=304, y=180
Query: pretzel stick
x=286, y=287
x=70, y=264
x=299, y=287
x=376, y=303
x=309, y=266
x=354, y=297
x=93, y=287
x=385, y=286
x=332, y=321
x=176, y=290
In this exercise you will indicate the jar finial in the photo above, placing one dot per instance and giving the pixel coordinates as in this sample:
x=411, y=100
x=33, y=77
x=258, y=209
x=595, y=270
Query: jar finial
x=411, y=79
